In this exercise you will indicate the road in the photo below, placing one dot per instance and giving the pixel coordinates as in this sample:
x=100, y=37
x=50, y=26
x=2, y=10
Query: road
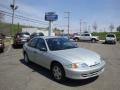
x=16, y=75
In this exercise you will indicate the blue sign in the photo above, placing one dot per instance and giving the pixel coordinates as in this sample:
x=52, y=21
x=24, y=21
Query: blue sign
x=51, y=16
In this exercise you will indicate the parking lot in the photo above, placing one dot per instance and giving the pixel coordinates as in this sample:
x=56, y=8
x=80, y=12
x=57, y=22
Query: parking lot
x=15, y=74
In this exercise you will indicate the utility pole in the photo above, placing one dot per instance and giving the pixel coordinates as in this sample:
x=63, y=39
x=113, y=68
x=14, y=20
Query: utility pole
x=68, y=17
x=13, y=7
x=80, y=25
x=89, y=29
x=85, y=26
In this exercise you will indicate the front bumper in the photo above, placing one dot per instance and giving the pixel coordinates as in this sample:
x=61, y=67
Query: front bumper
x=20, y=42
x=110, y=41
x=86, y=73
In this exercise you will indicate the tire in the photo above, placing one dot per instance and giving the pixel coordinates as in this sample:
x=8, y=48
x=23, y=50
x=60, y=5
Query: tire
x=26, y=59
x=114, y=42
x=1, y=50
x=76, y=39
x=58, y=72
x=93, y=40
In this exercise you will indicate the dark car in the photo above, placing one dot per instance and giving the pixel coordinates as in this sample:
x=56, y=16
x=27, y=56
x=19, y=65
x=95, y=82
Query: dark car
x=1, y=45
x=20, y=38
x=36, y=34
x=2, y=36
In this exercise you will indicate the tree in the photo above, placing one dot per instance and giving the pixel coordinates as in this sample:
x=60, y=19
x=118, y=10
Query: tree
x=118, y=28
x=95, y=27
x=111, y=27
x=57, y=31
x=1, y=17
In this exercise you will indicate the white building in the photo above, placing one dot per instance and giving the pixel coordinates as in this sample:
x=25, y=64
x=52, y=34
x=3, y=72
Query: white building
x=32, y=30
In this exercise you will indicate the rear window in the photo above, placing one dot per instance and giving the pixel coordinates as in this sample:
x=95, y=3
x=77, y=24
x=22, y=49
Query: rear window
x=110, y=36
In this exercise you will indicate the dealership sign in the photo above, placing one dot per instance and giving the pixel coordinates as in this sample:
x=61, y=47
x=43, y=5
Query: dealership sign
x=51, y=16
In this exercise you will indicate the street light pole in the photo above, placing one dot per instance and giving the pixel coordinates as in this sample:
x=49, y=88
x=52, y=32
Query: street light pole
x=13, y=7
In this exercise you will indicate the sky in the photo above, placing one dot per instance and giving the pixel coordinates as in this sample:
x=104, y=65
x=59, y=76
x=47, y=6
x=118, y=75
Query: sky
x=101, y=12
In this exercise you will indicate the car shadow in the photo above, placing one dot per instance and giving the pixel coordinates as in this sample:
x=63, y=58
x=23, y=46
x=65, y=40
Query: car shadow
x=108, y=43
x=45, y=72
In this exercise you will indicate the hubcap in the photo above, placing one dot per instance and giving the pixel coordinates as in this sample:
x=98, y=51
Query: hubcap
x=57, y=72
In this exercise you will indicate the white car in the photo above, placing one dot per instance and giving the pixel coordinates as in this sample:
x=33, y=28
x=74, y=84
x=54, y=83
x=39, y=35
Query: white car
x=86, y=37
x=110, y=38
x=63, y=58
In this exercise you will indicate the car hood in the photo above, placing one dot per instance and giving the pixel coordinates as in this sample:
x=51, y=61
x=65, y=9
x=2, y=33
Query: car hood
x=78, y=55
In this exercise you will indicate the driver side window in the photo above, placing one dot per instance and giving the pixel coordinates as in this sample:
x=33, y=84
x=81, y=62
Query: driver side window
x=33, y=42
x=41, y=45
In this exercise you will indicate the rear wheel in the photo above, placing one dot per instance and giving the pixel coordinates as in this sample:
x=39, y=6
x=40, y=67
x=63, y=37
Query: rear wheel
x=58, y=72
x=93, y=40
x=2, y=50
x=114, y=42
x=26, y=59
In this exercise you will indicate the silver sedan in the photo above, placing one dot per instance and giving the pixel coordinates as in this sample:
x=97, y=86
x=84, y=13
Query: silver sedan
x=63, y=58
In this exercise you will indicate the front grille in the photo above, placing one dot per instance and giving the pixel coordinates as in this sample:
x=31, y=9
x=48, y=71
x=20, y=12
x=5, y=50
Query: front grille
x=95, y=65
x=91, y=74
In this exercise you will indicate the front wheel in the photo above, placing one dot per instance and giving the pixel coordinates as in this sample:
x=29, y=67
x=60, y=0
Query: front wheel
x=58, y=72
x=76, y=39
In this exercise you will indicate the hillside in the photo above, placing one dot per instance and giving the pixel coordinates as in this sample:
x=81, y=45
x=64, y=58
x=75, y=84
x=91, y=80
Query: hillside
x=6, y=28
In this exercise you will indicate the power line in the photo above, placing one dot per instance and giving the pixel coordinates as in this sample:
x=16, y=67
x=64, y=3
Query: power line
x=24, y=18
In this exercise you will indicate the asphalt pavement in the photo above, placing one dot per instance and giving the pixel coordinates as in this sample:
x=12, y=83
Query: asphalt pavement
x=15, y=74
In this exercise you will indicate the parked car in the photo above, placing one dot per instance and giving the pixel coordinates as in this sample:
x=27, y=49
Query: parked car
x=110, y=38
x=2, y=36
x=86, y=37
x=63, y=58
x=1, y=45
x=20, y=38
x=36, y=34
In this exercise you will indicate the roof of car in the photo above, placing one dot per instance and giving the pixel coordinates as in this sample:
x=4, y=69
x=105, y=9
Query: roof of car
x=46, y=37
x=110, y=34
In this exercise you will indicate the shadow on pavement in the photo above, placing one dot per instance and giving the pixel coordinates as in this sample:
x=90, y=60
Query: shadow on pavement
x=45, y=72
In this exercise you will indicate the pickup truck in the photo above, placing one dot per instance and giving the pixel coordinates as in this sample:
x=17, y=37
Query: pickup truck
x=86, y=37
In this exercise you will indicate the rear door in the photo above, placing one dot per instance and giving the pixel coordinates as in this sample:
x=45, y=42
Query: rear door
x=87, y=37
x=31, y=49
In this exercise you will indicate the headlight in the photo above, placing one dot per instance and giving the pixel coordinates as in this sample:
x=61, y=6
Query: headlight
x=78, y=65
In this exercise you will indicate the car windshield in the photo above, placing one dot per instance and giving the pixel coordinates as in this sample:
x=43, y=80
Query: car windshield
x=110, y=36
x=39, y=34
x=60, y=44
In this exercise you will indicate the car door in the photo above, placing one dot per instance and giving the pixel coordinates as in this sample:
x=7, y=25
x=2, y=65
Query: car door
x=42, y=54
x=82, y=37
x=87, y=37
x=31, y=49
